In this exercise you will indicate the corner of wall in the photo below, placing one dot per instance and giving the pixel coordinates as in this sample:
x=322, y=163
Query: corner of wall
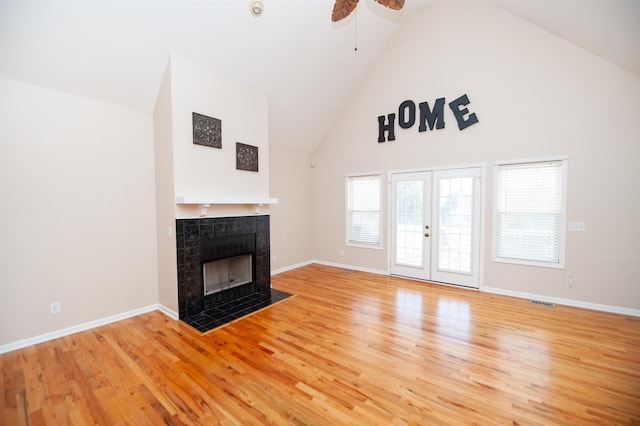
x=165, y=197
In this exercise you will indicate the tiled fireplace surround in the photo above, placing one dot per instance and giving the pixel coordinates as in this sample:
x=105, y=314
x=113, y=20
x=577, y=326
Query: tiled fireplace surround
x=207, y=239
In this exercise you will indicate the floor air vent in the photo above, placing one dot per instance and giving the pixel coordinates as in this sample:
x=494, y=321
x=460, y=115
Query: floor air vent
x=541, y=303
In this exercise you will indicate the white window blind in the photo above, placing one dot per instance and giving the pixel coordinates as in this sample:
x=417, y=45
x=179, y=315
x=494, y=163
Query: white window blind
x=363, y=210
x=529, y=216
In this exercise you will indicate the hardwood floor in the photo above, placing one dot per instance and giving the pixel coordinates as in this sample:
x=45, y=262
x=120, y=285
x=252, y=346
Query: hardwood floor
x=349, y=348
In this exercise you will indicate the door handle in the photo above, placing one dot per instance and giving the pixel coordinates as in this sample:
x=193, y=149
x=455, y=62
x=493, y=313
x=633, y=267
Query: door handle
x=426, y=234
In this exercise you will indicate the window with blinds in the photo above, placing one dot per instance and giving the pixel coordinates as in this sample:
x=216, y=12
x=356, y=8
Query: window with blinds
x=530, y=212
x=363, y=210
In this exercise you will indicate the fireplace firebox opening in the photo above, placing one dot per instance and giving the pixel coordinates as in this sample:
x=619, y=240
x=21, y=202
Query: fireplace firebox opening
x=227, y=273
x=242, y=244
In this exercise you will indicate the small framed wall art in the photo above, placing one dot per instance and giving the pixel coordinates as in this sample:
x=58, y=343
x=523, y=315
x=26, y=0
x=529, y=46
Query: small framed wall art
x=246, y=157
x=207, y=131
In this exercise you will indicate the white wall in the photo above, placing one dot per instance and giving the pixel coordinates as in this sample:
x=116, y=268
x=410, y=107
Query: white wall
x=201, y=171
x=77, y=214
x=292, y=218
x=535, y=96
x=165, y=197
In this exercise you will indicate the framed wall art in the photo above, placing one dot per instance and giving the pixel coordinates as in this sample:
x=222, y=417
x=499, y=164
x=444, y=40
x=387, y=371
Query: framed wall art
x=246, y=157
x=207, y=131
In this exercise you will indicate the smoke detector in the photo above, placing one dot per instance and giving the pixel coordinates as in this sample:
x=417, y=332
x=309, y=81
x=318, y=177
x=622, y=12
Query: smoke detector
x=256, y=7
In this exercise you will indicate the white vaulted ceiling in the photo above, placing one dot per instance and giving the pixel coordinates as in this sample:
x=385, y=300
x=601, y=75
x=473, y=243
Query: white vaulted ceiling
x=116, y=50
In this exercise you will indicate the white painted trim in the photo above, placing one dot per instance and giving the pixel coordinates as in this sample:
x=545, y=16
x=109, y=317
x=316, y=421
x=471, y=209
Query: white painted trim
x=562, y=301
x=483, y=212
x=485, y=289
x=168, y=312
x=81, y=327
x=189, y=199
x=291, y=267
x=561, y=157
x=224, y=215
x=322, y=262
x=436, y=168
x=355, y=268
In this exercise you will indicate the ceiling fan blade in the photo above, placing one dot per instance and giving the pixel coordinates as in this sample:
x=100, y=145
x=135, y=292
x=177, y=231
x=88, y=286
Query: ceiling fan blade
x=343, y=8
x=393, y=4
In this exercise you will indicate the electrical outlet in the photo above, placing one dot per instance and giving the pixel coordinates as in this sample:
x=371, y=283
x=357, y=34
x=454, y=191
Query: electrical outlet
x=571, y=282
x=341, y=252
x=55, y=308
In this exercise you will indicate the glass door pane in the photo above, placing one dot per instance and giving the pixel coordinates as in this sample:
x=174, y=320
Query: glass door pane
x=455, y=203
x=410, y=216
x=408, y=226
x=456, y=233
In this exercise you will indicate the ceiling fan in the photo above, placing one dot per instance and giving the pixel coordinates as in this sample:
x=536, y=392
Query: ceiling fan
x=343, y=8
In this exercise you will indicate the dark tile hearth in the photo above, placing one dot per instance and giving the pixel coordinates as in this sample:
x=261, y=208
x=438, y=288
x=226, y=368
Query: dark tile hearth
x=199, y=241
x=226, y=312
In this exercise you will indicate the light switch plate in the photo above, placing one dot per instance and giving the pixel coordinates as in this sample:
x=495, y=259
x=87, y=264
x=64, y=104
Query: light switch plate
x=577, y=226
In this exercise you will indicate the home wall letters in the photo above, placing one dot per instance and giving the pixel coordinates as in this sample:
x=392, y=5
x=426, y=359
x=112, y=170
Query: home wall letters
x=426, y=117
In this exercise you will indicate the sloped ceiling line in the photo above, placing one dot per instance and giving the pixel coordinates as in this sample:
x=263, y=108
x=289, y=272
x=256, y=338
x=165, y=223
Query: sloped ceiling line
x=116, y=50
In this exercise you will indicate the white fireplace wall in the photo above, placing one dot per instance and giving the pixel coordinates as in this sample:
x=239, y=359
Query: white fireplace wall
x=184, y=169
x=205, y=172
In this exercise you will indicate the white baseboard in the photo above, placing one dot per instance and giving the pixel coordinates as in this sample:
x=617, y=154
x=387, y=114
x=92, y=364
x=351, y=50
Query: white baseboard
x=355, y=268
x=82, y=327
x=290, y=267
x=168, y=312
x=494, y=290
x=322, y=262
x=562, y=301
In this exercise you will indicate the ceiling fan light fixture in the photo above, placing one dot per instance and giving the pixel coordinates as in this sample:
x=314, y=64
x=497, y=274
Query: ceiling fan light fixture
x=256, y=7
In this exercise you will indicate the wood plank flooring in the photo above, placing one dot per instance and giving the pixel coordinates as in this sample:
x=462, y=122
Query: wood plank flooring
x=349, y=348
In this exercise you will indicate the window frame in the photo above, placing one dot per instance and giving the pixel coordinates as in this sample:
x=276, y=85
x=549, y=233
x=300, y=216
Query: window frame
x=347, y=180
x=562, y=229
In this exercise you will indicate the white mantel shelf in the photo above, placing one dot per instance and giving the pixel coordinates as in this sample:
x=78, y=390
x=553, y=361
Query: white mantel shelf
x=211, y=200
x=206, y=202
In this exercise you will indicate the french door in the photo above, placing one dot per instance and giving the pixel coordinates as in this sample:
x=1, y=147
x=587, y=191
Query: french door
x=435, y=225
